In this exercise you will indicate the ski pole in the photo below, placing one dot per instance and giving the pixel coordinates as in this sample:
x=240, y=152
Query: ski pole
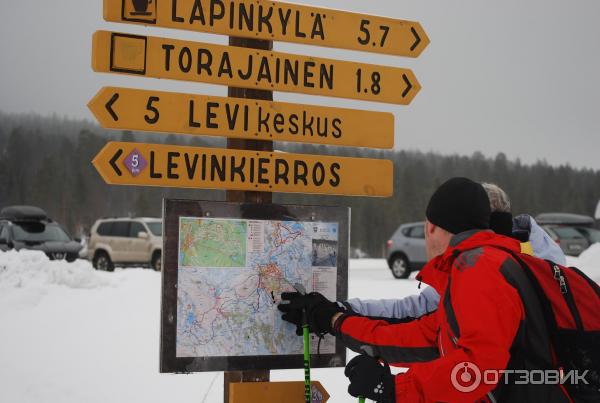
x=307, y=385
x=305, y=333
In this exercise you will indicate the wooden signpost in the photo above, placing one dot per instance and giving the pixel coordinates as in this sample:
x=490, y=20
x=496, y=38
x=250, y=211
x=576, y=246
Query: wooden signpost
x=277, y=21
x=232, y=378
x=169, y=112
x=249, y=170
x=157, y=57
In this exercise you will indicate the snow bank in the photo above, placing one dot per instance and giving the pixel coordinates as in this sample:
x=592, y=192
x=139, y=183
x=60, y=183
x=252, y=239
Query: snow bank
x=591, y=256
x=589, y=262
x=26, y=269
x=70, y=334
x=68, y=338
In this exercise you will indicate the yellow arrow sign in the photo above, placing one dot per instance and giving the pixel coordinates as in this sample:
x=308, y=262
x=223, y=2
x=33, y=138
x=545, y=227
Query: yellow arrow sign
x=168, y=112
x=249, y=68
x=212, y=168
x=276, y=21
x=289, y=392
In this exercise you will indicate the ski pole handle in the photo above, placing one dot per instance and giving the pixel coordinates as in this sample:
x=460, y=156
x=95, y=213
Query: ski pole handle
x=361, y=399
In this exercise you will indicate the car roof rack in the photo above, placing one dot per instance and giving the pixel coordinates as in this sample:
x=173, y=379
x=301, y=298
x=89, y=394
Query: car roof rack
x=564, y=219
x=23, y=213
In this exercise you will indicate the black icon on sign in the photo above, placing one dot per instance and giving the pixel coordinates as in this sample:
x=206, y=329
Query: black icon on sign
x=141, y=7
x=143, y=11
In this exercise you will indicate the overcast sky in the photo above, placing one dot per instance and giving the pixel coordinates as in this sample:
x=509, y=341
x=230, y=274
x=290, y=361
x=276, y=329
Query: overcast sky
x=517, y=76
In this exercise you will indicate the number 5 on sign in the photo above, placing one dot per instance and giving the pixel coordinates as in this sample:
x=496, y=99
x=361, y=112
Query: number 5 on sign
x=365, y=38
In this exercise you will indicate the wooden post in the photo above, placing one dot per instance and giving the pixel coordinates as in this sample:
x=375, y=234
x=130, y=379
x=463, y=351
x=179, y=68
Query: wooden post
x=249, y=197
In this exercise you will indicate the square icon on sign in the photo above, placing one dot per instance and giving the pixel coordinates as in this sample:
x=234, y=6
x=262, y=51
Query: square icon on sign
x=143, y=11
x=128, y=53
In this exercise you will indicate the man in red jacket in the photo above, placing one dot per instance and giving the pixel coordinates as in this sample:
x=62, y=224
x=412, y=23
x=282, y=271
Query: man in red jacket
x=488, y=317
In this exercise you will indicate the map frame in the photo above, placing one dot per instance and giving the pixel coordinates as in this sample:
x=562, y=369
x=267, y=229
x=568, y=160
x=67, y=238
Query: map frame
x=173, y=209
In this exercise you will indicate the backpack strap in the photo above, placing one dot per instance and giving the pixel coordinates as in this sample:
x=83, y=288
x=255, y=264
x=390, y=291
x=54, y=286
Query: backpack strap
x=563, y=283
x=565, y=290
x=545, y=302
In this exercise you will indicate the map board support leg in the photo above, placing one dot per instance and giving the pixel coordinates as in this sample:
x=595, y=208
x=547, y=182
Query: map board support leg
x=250, y=197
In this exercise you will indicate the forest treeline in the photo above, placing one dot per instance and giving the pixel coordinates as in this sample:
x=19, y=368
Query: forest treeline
x=46, y=161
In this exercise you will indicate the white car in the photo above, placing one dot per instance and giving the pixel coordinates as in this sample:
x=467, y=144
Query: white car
x=125, y=242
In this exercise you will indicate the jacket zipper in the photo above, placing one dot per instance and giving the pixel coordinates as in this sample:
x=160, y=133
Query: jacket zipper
x=441, y=347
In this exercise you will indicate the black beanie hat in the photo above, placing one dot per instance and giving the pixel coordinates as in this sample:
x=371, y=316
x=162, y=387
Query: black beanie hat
x=459, y=205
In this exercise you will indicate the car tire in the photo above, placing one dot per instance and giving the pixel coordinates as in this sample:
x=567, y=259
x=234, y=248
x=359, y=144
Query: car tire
x=156, y=262
x=400, y=267
x=102, y=262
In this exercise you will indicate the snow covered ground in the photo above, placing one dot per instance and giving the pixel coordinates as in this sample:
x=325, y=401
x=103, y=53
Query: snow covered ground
x=588, y=261
x=70, y=334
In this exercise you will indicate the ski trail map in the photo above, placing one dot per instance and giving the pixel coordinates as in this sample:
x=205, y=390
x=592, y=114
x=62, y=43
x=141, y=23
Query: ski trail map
x=231, y=273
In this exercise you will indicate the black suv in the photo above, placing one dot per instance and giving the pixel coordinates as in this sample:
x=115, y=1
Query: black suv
x=28, y=227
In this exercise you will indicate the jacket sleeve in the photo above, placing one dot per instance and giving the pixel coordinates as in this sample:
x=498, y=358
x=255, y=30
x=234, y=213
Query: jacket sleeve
x=488, y=312
x=398, y=344
x=413, y=306
x=543, y=246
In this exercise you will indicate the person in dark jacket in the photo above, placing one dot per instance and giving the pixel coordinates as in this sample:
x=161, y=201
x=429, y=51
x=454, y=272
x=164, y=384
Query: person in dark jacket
x=486, y=318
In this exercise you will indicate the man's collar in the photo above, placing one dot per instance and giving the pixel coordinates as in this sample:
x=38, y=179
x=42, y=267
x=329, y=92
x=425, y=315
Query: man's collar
x=463, y=236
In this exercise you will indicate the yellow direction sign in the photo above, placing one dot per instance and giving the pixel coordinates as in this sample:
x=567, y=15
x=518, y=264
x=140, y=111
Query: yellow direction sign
x=249, y=68
x=278, y=21
x=212, y=168
x=289, y=392
x=169, y=112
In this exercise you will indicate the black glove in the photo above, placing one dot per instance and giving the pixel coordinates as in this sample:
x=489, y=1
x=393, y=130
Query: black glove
x=370, y=379
x=522, y=227
x=319, y=311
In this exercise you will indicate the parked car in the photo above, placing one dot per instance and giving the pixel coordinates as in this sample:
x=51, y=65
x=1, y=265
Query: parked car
x=592, y=235
x=571, y=241
x=29, y=227
x=406, y=249
x=125, y=242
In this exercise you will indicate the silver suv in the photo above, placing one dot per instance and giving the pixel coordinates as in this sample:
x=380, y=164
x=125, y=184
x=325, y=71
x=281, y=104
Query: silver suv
x=406, y=249
x=125, y=242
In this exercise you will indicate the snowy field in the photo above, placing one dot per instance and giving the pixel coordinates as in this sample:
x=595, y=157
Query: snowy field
x=70, y=334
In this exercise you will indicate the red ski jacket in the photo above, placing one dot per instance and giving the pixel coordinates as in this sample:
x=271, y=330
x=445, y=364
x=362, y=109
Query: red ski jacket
x=488, y=319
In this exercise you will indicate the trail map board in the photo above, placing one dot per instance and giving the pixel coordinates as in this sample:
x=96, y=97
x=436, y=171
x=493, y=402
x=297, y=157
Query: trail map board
x=225, y=267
